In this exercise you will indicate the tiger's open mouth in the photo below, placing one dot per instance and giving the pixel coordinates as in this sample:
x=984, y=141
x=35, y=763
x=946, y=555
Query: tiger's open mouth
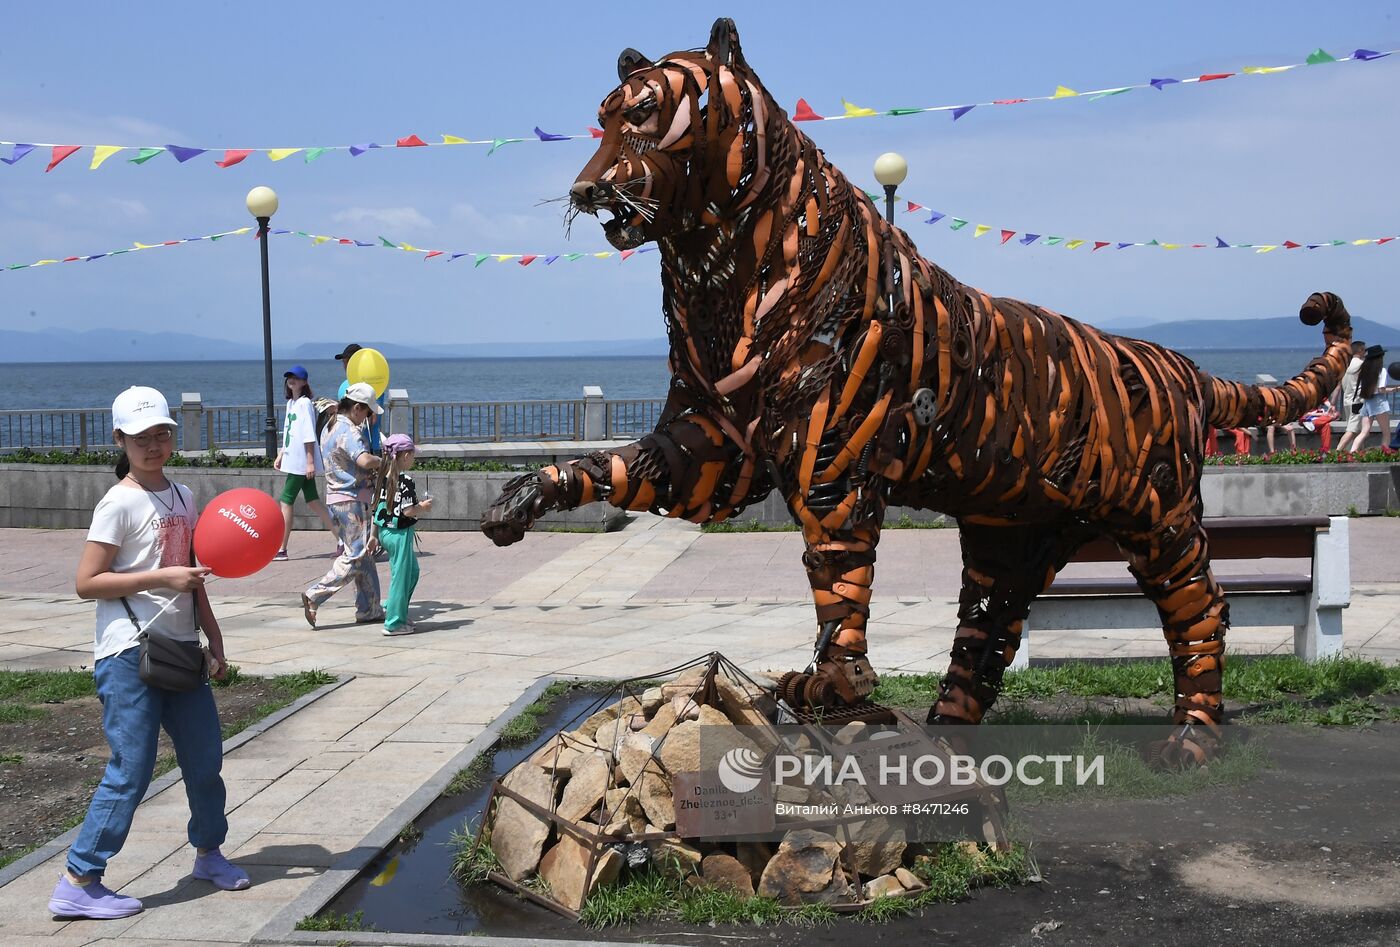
x=624, y=230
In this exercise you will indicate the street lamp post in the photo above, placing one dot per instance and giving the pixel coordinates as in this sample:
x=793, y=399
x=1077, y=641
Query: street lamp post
x=890, y=170
x=262, y=204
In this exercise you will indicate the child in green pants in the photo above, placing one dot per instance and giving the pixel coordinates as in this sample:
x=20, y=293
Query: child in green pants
x=396, y=510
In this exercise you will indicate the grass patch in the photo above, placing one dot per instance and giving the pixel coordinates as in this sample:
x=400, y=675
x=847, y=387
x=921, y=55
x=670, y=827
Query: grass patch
x=335, y=922
x=472, y=857
x=525, y=726
x=287, y=687
x=471, y=776
x=1256, y=680
x=10, y=759
x=45, y=687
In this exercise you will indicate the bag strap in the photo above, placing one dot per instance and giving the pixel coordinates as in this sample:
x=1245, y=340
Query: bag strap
x=132, y=615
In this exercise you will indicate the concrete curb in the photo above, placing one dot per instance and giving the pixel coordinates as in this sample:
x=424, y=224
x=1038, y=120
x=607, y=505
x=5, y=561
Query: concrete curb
x=60, y=844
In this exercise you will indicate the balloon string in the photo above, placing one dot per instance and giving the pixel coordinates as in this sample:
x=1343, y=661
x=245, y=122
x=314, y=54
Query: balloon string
x=141, y=629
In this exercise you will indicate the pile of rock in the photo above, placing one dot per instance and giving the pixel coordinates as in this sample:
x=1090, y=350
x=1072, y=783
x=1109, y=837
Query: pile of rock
x=596, y=801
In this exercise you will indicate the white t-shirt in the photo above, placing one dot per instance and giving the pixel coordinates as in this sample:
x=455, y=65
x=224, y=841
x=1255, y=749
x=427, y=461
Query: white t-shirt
x=299, y=430
x=151, y=531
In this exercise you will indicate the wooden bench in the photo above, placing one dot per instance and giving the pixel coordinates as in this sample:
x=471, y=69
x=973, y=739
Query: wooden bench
x=1311, y=601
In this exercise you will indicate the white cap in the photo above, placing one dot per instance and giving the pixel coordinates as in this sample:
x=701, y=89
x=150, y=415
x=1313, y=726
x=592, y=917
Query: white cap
x=364, y=394
x=138, y=409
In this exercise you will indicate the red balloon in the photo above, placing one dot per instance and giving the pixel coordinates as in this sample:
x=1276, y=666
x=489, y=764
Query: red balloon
x=238, y=533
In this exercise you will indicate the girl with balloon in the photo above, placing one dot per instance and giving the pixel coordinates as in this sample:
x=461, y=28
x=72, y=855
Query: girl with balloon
x=138, y=565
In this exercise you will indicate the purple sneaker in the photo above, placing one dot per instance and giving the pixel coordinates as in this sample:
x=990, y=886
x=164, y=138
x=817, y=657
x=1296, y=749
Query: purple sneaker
x=94, y=901
x=213, y=866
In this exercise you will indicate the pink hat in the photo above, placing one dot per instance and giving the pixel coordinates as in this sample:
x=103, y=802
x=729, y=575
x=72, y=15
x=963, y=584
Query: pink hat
x=396, y=444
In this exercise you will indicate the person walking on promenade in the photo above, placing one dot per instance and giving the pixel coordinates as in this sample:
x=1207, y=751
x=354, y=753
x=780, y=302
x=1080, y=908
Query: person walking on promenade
x=397, y=510
x=1374, y=385
x=138, y=565
x=349, y=490
x=300, y=456
x=1350, y=399
x=373, y=439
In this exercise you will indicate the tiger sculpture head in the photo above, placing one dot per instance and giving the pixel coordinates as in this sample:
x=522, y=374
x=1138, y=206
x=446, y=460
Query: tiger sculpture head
x=684, y=143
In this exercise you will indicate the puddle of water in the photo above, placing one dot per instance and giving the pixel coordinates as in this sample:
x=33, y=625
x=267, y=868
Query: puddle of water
x=409, y=887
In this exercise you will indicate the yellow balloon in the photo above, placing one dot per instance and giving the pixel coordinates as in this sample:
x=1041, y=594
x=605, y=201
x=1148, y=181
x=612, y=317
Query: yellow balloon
x=371, y=367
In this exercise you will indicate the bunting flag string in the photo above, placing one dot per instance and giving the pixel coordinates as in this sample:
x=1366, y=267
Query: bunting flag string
x=228, y=157
x=477, y=257
x=1043, y=238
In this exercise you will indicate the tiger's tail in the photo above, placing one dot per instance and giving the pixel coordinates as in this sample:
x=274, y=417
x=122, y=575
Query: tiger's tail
x=1233, y=404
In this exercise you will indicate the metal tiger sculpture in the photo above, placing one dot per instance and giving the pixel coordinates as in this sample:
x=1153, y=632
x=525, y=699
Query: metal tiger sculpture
x=813, y=351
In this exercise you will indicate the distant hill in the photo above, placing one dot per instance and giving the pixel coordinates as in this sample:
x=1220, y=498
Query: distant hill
x=1283, y=332
x=111, y=345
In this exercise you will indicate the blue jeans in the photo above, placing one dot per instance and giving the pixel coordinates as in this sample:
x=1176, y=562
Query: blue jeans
x=132, y=715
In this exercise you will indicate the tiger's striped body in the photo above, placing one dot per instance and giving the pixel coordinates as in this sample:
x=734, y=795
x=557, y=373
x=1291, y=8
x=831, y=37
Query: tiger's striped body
x=815, y=352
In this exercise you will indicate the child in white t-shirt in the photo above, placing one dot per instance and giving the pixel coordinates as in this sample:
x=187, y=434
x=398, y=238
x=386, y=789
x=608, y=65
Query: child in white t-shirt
x=300, y=455
x=138, y=564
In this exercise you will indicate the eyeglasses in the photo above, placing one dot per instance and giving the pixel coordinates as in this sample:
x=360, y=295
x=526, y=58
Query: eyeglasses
x=163, y=436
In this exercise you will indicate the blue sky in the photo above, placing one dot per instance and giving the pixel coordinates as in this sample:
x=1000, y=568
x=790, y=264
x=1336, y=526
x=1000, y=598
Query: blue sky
x=1306, y=155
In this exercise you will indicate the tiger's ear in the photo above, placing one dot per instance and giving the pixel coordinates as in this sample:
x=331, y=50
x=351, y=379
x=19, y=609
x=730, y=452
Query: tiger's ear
x=629, y=61
x=724, y=43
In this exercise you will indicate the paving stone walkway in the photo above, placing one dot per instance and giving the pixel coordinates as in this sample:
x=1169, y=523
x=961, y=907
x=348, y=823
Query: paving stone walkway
x=492, y=621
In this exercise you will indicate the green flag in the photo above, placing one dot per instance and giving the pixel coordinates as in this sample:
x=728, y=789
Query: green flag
x=572, y=256
x=146, y=154
x=481, y=258
x=904, y=111
x=388, y=243
x=313, y=153
x=956, y=223
x=1319, y=55
x=1054, y=241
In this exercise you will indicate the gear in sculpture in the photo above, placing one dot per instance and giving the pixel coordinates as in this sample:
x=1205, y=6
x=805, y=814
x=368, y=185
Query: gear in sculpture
x=813, y=351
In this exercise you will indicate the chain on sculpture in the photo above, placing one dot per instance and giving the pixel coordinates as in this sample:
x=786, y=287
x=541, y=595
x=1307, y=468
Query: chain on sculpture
x=815, y=352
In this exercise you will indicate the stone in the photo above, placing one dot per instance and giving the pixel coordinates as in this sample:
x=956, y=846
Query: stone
x=754, y=856
x=736, y=699
x=654, y=793
x=557, y=757
x=726, y=873
x=518, y=835
x=876, y=846
x=662, y=721
x=627, y=705
x=909, y=880
x=637, y=721
x=680, y=751
x=624, y=814
x=684, y=707
x=849, y=733
x=885, y=886
x=674, y=857
x=805, y=870
x=652, y=700
x=585, y=788
x=565, y=869
x=633, y=754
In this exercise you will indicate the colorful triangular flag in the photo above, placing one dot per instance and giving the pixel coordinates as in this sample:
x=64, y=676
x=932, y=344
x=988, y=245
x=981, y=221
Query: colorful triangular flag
x=101, y=153
x=60, y=153
x=804, y=113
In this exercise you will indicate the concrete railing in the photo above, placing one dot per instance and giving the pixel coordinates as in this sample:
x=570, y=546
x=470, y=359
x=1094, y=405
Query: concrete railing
x=241, y=427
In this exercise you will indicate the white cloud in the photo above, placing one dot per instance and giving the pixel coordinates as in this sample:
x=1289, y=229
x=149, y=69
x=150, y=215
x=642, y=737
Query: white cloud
x=392, y=217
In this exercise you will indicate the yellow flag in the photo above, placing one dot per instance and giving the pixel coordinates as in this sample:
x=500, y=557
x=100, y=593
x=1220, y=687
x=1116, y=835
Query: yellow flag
x=101, y=153
x=979, y=230
x=1361, y=243
x=409, y=247
x=240, y=230
x=277, y=154
x=855, y=111
x=43, y=262
x=1264, y=70
x=1171, y=246
x=145, y=246
x=319, y=240
x=1074, y=243
x=1266, y=249
x=604, y=255
x=1064, y=92
x=502, y=257
x=454, y=140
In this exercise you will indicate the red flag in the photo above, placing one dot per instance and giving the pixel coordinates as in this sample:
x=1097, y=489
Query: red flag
x=59, y=153
x=70, y=259
x=345, y=240
x=1007, y=235
x=412, y=141
x=169, y=243
x=913, y=207
x=595, y=132
x=804, y=113
x=1215, y=75
x=627, y=253
x=1384, y=240
x=1196, y=246
x=432, y=253
x=1007, y=101
x=232, y=156
x=1290, y=245
x=1099, y=245
x=528, y=258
